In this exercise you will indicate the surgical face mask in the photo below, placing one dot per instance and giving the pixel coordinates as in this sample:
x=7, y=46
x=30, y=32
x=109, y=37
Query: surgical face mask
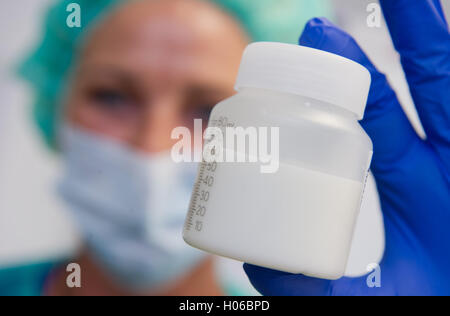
x=130, y=208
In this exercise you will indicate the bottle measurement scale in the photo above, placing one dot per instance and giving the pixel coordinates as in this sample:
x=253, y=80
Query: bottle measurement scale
x=205, y=182
x=200, y=197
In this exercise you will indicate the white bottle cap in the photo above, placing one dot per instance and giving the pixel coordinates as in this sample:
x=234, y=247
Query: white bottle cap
x=305, y=71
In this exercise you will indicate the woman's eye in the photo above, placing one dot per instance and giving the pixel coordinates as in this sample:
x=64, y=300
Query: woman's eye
x=109, y=97
x=202, y=111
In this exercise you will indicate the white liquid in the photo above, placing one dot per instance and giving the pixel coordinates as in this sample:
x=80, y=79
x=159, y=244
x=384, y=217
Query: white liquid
x=295, y=220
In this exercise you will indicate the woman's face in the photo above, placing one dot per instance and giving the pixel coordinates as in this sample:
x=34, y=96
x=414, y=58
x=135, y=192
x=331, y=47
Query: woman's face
x=152, y=66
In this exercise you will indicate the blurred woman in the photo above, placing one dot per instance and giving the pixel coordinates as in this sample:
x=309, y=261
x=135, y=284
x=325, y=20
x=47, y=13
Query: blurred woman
x=108, y=96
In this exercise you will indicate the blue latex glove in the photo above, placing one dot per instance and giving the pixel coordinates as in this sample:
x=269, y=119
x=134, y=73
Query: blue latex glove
x=412, y=175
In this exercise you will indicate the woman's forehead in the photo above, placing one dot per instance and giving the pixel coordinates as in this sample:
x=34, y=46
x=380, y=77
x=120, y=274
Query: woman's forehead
x=192, y=26
x=167, y=36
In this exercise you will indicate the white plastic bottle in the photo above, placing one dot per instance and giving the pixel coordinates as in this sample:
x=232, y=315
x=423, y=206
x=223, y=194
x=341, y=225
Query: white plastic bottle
x=301, y=218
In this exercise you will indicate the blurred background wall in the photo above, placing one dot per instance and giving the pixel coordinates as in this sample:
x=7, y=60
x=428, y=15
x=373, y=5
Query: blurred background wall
x=33, y=224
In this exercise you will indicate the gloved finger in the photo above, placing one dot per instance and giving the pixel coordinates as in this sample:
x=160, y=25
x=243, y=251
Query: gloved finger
x=421, y=36
x=276, y=283
x=384, y=119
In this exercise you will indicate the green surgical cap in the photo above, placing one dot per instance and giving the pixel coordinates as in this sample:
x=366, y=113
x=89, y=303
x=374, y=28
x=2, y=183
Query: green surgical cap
x=47, y=67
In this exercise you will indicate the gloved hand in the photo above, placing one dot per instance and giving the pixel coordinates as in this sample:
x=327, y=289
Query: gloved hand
x=412, y=175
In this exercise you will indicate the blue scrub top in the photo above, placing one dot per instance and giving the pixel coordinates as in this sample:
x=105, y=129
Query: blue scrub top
x=30, y=280
x=25, y=280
